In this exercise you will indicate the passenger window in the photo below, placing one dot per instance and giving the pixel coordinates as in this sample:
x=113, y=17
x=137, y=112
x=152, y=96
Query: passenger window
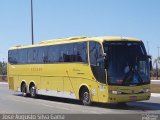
x=80, y=52
x=42, y=56
x=68, y=52
x=13, y=56
x=52, y=54
x=22, y=56
x=97, y=61
x=30, y=55
x=72, y=52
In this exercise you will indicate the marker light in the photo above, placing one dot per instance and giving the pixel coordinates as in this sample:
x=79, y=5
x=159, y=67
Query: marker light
x=115, y=92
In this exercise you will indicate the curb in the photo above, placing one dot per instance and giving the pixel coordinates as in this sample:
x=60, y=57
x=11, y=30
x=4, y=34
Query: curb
x=155, y=94
x=3, y=83
x=155, y=80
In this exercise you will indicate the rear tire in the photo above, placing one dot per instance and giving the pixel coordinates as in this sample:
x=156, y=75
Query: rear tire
x=33, y=92
x=24, y=90
x=85, y=97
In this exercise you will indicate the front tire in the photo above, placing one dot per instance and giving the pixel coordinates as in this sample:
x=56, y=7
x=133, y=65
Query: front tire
x=85, y=97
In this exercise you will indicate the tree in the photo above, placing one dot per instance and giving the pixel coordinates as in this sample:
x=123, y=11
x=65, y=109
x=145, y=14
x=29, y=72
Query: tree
x=3, y=68
x=156, y=70
x=157, y=61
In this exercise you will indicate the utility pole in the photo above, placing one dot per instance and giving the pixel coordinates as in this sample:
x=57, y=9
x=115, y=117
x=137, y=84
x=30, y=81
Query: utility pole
x=148, y=47
x=157, y=66
x=158, y=51
x=32, y=32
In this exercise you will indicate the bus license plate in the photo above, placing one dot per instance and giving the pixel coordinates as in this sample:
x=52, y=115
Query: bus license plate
x=133, y=98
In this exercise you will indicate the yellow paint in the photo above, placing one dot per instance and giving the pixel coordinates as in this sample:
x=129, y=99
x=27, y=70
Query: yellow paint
x=66, y=77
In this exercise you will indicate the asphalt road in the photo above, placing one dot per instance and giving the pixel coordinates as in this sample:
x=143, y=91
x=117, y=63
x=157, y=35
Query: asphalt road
x=13, y=103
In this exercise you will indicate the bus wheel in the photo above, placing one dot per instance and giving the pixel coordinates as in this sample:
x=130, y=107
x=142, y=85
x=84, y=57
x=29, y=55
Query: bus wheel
x=24, y=90
x=85, y=97
x=33, y=91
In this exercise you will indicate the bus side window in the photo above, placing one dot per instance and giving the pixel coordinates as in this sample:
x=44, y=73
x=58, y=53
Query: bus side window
x=30, y=56
x=13, y=56
x=68, y=52
x=80, y=52
x=42, y=55
x=22, y=56
x=52, y=54
x=96, y=54
x=97, y=61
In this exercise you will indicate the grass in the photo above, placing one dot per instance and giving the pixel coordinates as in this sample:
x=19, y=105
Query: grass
x=155, y=88
x=3, y=80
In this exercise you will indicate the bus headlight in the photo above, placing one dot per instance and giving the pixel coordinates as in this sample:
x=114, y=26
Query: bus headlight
x=115, y=92
x=146, y=90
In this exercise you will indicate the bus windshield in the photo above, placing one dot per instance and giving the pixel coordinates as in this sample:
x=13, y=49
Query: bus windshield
x=127, y=63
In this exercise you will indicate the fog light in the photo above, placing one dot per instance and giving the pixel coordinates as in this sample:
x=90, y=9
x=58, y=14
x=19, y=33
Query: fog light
x=146, y=90
x=115, y=92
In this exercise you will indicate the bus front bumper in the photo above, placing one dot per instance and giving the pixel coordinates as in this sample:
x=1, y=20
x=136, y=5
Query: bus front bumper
x=116, y=98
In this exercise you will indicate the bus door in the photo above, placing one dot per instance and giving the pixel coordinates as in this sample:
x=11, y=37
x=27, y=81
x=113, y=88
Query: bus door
x=98, y=69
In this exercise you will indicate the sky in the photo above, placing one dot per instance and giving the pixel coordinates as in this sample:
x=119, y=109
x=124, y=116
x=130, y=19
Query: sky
x=67, y=18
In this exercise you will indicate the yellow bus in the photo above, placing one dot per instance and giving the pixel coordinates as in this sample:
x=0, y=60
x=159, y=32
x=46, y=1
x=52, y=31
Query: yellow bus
x=90, y=69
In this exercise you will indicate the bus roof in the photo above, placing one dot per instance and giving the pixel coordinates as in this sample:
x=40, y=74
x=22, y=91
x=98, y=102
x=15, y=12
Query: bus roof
x=77, y=39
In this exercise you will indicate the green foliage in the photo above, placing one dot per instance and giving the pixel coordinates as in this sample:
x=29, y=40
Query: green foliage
x=3, y=68
x=156, y=66
x=157, y=61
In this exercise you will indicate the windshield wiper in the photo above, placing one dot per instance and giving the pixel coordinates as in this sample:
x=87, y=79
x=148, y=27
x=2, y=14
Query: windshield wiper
x=141, y=80
x=129, y=77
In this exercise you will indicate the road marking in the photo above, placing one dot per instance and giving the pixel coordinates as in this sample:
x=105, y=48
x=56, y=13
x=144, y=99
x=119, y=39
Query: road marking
x=155, y=94
x=21, y=101
x=38, y=104
x=55, y=107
